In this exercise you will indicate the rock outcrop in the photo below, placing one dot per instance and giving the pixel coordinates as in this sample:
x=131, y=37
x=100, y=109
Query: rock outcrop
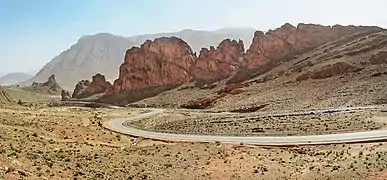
x=48, y=87
x=232, y=89
x=330, y=71
x=269, y=49
x=86, y=88
x=164, y=61
x=80, y=88
x=201, y=103
x=215, y=64
x=167, y=62
x=65, y=95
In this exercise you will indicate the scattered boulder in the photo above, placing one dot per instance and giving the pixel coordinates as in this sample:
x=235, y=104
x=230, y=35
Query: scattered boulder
x=330, y=71
x=201, y=103
x=232, y=89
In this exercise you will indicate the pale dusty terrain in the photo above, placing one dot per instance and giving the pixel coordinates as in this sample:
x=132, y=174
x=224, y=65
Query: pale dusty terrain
x=41, y=142
x=264, y=124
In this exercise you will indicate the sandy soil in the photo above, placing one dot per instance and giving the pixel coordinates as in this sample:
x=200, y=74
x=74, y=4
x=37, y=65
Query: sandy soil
x=263, y=124
x=41, y=142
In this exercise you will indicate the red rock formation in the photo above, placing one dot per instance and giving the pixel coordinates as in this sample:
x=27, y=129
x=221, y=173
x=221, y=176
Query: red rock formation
x=215, y=64
x=164, y=61
x=80, y=88
x=97, y=85
x=287, y=41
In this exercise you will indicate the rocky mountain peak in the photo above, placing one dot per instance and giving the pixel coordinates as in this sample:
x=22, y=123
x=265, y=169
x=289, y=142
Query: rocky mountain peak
x=215, y=64
x=164, y=61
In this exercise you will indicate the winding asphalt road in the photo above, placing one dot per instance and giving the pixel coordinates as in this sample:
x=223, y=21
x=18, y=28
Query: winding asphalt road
x=353, y=137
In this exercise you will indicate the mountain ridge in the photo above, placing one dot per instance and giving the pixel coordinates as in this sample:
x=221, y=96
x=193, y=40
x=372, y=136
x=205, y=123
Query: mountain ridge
x=166, y=62
x=14, y=78
x=103, y=53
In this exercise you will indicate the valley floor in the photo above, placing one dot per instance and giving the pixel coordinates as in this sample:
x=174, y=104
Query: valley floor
x=297, y=123
x=42, y=142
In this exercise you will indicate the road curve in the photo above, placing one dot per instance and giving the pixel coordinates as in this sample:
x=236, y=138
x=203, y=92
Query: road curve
x=353, y=137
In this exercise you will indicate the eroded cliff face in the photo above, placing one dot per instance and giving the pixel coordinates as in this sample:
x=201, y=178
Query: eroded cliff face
x=169, y=61
x=87, y=88
x=215, y=64
x=164, y=61
x=98, y=84
x=284, y=43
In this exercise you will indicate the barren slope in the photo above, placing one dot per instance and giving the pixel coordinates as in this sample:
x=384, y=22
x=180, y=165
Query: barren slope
x=349, y=71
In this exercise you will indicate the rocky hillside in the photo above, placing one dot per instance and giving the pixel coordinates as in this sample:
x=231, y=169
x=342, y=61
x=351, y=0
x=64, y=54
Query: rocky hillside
x=346, y=71
x=103, y=53
x=50, y=87
x=169, y=62
x=14, y=78
x=269, y=49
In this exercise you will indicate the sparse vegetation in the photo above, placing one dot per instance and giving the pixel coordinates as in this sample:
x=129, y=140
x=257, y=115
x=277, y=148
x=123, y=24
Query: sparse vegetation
x=62, y=142
x=302, y=123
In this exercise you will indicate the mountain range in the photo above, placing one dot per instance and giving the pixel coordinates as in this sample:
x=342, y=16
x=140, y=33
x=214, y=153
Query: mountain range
x=290, y=67
x=103, y=53
x=14, y=78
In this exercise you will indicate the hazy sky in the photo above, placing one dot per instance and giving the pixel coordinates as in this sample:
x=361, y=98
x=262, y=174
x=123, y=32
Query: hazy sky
x=32, y=32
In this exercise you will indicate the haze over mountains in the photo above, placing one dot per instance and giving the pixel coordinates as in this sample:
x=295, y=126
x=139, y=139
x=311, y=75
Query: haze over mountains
x=14, y=78
x=103, y=53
